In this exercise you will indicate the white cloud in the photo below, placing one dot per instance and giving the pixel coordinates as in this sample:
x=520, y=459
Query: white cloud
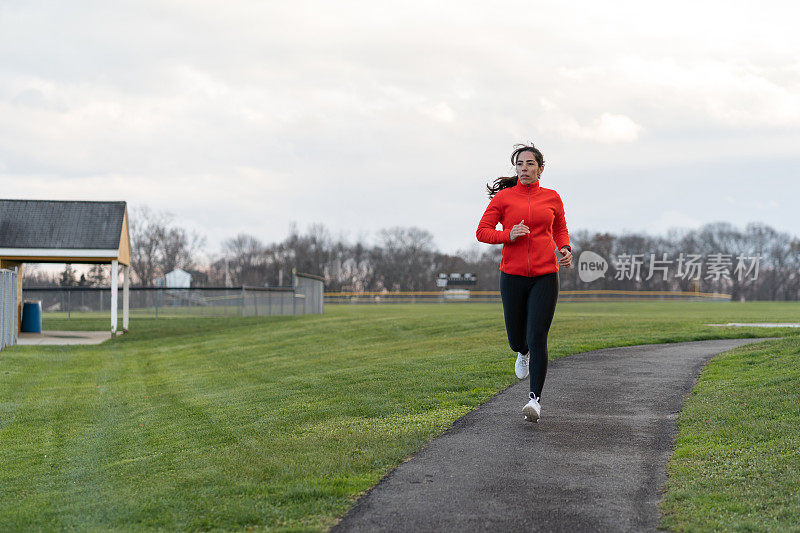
x=440, y=112
x=608, y=128
x=605, y=128
x=262, y=112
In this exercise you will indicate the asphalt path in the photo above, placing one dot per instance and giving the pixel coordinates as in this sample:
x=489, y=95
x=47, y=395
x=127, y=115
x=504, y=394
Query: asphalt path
x=596, y=461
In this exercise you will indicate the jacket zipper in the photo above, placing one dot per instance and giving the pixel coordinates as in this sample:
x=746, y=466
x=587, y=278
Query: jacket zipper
x=528, y=253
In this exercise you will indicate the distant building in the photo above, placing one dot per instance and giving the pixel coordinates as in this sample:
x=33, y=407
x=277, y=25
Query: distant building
x=178, y=279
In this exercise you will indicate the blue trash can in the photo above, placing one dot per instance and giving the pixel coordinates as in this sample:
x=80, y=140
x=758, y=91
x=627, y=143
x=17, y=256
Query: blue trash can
x=32, y=316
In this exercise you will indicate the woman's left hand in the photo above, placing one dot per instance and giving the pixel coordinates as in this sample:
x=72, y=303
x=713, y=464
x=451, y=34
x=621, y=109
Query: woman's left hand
x=566, y=259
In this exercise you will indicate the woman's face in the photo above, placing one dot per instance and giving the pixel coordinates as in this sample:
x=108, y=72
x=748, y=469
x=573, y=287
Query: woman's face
x=528, y=169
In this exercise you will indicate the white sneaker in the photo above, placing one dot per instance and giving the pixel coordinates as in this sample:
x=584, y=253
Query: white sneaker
x=521, y=366
x=532, y=409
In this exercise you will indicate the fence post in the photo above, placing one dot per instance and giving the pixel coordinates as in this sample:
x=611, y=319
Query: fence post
x=294, y=292
x=114, y=286
x=242, y=300
x=69, y=304
x=3, y=306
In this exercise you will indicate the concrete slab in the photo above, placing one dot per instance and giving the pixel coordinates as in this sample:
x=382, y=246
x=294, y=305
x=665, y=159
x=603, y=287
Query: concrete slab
x=55, y=338
x=759, y=324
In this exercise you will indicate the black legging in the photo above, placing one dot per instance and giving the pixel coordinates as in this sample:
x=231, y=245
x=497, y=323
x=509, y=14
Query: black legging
x=528, y=305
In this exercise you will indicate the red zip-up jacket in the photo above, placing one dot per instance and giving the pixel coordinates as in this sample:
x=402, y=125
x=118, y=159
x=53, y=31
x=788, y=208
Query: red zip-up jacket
x=543, y=212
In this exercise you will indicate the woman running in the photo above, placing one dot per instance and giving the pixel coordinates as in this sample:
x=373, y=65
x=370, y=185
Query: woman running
x=532, y=219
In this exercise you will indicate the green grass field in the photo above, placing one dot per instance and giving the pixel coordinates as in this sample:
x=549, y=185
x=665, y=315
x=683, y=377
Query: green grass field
x=280, y=423
x=736, y=465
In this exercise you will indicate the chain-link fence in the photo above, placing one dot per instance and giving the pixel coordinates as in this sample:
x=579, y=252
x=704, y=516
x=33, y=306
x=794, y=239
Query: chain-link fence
x=470, y=296
x=305, y=296
x=8, y=308
x=309, y=292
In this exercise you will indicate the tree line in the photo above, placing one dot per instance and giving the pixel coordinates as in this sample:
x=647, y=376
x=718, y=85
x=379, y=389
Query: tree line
x=716, y=257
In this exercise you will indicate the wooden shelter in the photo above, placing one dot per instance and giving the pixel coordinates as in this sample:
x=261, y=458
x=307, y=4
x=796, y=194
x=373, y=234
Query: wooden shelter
x=50, y=231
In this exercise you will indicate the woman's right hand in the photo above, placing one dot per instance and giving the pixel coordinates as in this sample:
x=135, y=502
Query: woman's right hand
x=519, y=229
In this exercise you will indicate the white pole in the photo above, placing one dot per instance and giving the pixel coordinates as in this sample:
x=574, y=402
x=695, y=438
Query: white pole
x=126, y=295
x=114, y=286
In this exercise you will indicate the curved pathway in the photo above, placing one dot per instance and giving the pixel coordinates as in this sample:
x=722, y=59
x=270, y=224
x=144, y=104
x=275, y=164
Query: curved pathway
x=596, y=461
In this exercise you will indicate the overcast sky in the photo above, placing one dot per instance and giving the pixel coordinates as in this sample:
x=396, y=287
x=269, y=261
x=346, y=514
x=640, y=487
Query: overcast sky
x=246, y=116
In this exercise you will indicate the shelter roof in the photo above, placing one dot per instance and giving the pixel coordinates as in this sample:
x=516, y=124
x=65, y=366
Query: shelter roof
x=53, y=224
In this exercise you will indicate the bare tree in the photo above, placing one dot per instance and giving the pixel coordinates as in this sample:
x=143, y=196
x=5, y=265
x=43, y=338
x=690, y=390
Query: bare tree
x=312, y=251
x=158, y=246
x=97, y=276
x=245, y=256
x=68, y=277
x=147, y=233
x=405, y=259
x=179, y=248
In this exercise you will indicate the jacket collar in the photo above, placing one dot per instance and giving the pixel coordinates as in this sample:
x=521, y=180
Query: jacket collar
x=532, y=187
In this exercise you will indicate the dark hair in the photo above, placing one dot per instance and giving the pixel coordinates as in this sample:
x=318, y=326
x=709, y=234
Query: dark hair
x=502, y=182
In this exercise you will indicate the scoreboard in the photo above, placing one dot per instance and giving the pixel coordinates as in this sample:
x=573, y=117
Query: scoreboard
x=456, y=280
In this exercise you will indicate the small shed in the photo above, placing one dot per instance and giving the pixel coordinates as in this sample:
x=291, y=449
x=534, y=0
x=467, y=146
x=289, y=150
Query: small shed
x=178, y=279
x=53, y=231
